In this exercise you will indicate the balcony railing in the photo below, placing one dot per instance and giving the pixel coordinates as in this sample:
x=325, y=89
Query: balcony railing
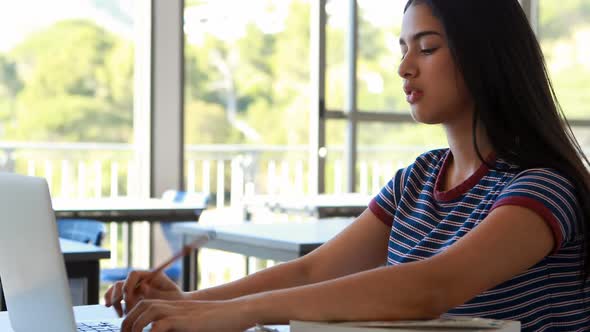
x=228, y=172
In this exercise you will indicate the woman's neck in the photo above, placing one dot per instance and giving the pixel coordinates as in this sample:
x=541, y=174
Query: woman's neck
x=465, y=160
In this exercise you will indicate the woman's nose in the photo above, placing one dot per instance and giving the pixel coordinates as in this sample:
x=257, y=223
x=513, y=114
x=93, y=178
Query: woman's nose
x=406, y=68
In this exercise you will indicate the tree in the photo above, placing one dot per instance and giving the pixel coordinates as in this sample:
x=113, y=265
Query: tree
x=10, y=86
x=78, y=81
x=260, y=80
x=560, y=18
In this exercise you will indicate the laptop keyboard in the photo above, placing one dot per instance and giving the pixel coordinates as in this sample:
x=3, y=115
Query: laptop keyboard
x=98, y=327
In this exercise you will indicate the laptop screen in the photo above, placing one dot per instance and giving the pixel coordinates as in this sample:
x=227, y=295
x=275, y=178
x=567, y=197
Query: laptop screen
x=31, y=264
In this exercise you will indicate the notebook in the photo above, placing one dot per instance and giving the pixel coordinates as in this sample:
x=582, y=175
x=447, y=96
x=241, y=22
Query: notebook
x=445, y=324
x=32, y=267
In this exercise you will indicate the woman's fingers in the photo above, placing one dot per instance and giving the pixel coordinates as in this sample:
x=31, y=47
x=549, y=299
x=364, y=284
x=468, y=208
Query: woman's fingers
x=107, y=296
x=145, y=312
x=131, y=293
x=117, y=297
x=113, y=297
x=165, y=324
x=153, y=315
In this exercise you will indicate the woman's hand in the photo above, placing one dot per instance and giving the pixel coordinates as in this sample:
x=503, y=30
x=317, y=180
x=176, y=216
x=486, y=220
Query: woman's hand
x=159, y=287
x=186, y=316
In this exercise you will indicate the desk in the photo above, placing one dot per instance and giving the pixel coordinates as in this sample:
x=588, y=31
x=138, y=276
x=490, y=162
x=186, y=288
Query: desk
x=281, y=242
x=318, y=206
x=82, y=262
x=94, y=312
x=124, y=209
x=85, y=312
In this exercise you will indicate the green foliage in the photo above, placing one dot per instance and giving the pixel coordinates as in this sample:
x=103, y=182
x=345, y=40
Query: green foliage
x=206, y=123
x=559, y=23
x=78, y=81
x=73, y=81
x=10, y=86
x=570, y=86
x=10, y=82
x=263, y=76
x=560, y=18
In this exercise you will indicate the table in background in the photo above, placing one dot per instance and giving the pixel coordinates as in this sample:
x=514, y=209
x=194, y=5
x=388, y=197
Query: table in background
x=277, y=241
x=127, y=210
x=82, y=262
x=317, y=206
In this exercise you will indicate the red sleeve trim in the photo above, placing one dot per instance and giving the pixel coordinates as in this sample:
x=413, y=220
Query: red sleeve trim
x=380, y=213
x=541, y=210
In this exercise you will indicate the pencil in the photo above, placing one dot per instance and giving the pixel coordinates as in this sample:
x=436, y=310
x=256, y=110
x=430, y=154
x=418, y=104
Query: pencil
x=187, y=249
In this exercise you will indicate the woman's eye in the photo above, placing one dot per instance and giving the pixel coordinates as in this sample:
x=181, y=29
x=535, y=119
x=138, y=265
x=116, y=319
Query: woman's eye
x=428, y=51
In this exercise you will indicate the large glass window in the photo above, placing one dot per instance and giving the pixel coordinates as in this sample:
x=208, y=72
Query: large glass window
x=246, y=107
x=66, y=93
x=382, y=149
x=378, y=85
x=564, y=33
x=246, y=96
x=66, y=98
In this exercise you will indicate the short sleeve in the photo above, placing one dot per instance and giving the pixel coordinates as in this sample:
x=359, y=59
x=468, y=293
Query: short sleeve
x=550, y=195
x=384, y=204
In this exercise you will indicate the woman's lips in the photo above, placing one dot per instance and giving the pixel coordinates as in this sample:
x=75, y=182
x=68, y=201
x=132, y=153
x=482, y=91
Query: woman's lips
x=414, y=96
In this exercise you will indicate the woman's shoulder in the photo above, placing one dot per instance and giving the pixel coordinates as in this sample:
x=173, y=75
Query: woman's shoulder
x=433, y=156
x=543, y=174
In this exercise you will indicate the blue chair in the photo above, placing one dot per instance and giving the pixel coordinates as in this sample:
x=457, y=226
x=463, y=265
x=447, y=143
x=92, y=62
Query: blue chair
x=82, y=230
x=174, y=240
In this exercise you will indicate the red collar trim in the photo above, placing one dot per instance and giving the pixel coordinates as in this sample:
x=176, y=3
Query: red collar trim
x=463, y=187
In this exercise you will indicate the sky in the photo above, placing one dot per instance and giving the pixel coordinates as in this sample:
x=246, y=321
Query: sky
x=17, y=20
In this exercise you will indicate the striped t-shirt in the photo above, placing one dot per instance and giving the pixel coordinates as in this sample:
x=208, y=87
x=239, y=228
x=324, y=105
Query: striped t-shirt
x=424, y=221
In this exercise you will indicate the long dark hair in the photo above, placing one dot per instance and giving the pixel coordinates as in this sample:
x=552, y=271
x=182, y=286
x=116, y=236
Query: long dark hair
x=503, y=67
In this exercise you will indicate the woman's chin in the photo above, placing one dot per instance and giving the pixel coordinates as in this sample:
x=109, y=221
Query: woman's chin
x=422, y=116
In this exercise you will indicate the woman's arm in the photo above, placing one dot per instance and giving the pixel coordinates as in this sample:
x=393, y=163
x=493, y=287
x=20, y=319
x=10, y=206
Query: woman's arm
x=361, y=246
x=510, y=240
x=507, y=242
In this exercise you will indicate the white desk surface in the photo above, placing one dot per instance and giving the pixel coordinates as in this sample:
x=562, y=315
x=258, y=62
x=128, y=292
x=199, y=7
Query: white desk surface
x=78, y=251
x=119, y=203
x=310, y=201
x=94, y=312
x=86, y=312
x=126, y=209
x=320, y=206
x=278, y=241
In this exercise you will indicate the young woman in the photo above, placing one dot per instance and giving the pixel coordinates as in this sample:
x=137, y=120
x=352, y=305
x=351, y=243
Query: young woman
x=495, y=226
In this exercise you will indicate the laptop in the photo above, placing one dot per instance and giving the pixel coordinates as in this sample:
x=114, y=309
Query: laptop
x=32, y=267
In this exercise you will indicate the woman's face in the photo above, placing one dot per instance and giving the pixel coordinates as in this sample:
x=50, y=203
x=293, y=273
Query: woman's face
x=432, y=83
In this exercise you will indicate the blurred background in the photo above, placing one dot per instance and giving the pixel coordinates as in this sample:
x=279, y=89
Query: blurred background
x=69, y=103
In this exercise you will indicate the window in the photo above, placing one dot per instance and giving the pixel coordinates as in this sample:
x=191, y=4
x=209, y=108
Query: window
x=246, y=96
x=66, y=93
x=378, y=85
x=564, y=34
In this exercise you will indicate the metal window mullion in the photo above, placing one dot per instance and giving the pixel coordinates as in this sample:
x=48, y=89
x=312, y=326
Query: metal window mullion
x=317, y=128
x=167, y=97
x=368, y=116
x=531, y=9
x=139, y=182
x=167, y=128
x=351, y=99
